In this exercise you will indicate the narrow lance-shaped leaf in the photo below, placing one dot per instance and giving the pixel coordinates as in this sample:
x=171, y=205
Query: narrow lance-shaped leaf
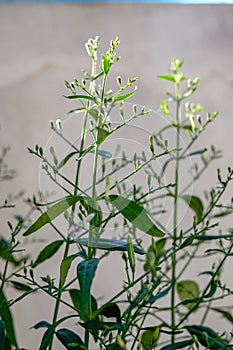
x=212, y=237
x=195, y=204
x=7, y=345
x=4, y=252
x=122, y=97
x=66, y=159
x=111, y=310
x=101, y=325
x=75, y=295
x=223, y=213
x=6, y=317
x=41, y=324
x=86, y=97
x=85, y=273
x=25, y=294
x=136, y=214
x=109, y=244
x=47, y=337
x=178, y=345
x=164, y=292
x=69, y=339
x=205, y=333
x=64, y=268
x=2, y=335
x=167, y=77
x=21, y=286
x=53, y=212
x=227, y=315
x=212, y=289
x=131, y=255
x=47, y=252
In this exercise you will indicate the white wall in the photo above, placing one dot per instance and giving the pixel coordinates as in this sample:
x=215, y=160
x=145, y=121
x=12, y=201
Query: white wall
x=43, y=44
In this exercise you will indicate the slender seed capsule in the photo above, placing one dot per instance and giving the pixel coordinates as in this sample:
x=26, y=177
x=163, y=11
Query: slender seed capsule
x=131, y=254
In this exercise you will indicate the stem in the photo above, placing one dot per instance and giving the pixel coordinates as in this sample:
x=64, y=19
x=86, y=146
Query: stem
x=94, y=203
x=175, y=218
x=206, y=312
x=57, y=305
x=200, y=299
x=86, y=338
x=3, y=278
x=83, y=137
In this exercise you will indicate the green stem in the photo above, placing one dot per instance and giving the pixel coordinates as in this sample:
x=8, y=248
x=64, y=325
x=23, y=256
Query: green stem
x=200, y=299
x=3, y=278
x=83, y=137
x=57, y=305
x=175, y=220
x=58, y=300
x=206, y=312
x=86, y=338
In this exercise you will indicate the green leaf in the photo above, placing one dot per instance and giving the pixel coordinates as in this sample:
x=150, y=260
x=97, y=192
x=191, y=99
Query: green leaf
x=164, y=292
x=75, y=295
x=6, y=317
x=25, y=294
x=227, y=315
x=42, y=324
x=111, y=310
x=178, y=345
x=101, y=135
x=205, y=333
x=66, y=159
x=222, y=213
x=109, y=244
x=64, y=268
x=4, y=252
x=101, y=325
x=86, y=97
x=94, y=113
x=7, y=345
x=85, y=273
x=47, y=337
x=105, y=64
x=122, y=97
x=2, y=335
x=21, y=286
x=102, y=153
x=136, y=214
x=212, y=237
x=167, y=77
x=149, y=339
x=131, y=255
x=69, y=339
x=53, y=212
x=187, y=242
x=188, y=290
x=195, y=204
x=47, y=252
x=198, y=152
x=213, y=289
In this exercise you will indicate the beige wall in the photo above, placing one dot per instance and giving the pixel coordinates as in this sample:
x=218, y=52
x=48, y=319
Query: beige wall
x=43, y=44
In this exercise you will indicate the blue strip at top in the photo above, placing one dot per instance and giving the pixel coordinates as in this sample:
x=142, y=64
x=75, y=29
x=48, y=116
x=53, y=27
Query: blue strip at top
x=193, y=2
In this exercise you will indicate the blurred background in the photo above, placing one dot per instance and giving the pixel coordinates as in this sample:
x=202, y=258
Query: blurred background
x=42, y=44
